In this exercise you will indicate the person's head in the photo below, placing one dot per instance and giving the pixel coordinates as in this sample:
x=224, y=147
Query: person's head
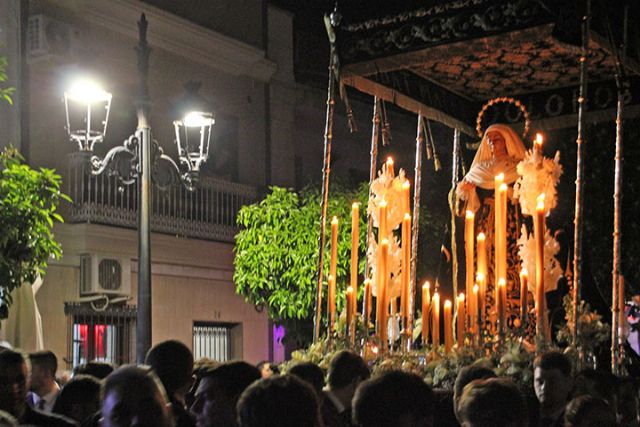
x=134, y=396
x=492, y=402
x=552, y=380
x=600, y=384
x=99, y=370
x=311, y=373
x=500, y=141
x=279, y=401
x=79, y=399
x=172, y=361
x=394, y=398
x=589, y=411
x=628, y=403
x=465, y=376
x=44, y=365
x=264, y=367
x=346, y=371
x=14, y=382
x=218, y=393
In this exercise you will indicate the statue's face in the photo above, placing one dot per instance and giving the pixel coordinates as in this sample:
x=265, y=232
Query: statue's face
x=497, y=144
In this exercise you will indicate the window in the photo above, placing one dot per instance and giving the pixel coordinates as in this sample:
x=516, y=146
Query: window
x=104, y=336
x=217, y=341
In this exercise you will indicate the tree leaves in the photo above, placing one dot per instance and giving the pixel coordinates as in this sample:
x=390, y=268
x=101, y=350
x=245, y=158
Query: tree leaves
x=28, y=204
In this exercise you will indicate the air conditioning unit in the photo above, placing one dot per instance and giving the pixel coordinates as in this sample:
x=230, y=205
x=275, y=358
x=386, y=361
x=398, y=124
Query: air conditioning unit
x=105, y=275
x=48, y=38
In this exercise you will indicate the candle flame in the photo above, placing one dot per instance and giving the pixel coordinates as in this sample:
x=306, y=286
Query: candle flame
x=539, y=138
x=383, y=202
x=330, y=277
x=355, y=205
x=406, y=184
x=502, y=282
x=476, y=288
x=470, y=214
x=540, y=205
x=461, y=297
x=350, y=290
x=524, y=272
x=447, y=304
x=407, y=217
x=374, y=349
x=389, y=160
x=480, y=277
x=367, y=281
x=426, y=285
x=385, y=242
x=334, y=220
x=503, y=187
x=481, y=236
x=500, y=177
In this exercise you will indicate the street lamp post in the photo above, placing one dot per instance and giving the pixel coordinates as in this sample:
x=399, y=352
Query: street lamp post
x=94, y=104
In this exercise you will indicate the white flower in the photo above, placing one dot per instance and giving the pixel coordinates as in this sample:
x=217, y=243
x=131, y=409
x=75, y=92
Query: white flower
x=527, y=253
x=537, y=176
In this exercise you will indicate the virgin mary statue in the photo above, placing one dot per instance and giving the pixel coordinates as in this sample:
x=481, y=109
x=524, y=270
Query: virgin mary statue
x=500, y=151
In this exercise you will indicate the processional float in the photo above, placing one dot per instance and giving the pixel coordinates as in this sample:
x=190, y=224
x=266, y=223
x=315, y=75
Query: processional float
x=441, y=63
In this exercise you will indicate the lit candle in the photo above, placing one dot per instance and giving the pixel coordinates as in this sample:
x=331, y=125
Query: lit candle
x=538, y=146
x=355, y=240
x=334, y=247
x=482, y=285
x=426, y=300
x=469, y=243
x=503, y=230
x=382, y=220
x=448, y=331
x=461, y=320
x=435, y=330
x=539, y=232
x=474, y=308
x=524, y=293
x=390, y=170
x=332, y=302
x=382, y=304
x=501, y=295
x=481, y=269
x=349, y=300
x=405, y=276
x=367, y=303
x=406, y=196
x=499, y=180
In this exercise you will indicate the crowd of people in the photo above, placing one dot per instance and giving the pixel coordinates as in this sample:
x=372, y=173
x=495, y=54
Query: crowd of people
x=171, y=391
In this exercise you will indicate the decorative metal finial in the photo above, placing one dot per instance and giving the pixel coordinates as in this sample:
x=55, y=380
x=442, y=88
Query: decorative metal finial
x=336, y=16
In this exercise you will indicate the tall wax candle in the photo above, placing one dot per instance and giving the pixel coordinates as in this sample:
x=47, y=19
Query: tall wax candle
x=349, y=300
x=368, y=301
x=406, y=197
x=539, y=232
x=461, y=320
x=537, y=148
x=390, y=167
x=405, y=275
x=426, y=301
x=383, y=302
x=435, y=330
x=482, y=285
x=524, y=293
x=469, y=243
x=474, y=308
x=502, y=300
x=448, y=331
x=334, y=247
x=355, y=239
x=481, y=269
x=332, y=301
x=503, y=230
x=382, y=221
x=497, y=227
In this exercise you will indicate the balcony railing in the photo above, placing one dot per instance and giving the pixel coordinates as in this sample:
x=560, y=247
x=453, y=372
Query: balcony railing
x=208, y=212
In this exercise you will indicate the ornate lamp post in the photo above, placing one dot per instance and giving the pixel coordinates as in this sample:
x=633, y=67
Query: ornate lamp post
x=87, y=110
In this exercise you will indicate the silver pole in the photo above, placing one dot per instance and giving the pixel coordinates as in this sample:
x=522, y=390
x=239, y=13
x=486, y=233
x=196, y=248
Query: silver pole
x=577, y=222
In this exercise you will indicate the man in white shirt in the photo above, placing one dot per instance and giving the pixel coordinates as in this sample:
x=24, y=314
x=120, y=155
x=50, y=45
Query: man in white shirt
x=44, y=388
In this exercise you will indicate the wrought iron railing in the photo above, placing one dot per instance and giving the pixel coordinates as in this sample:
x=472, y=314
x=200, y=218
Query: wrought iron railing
x=208, y=212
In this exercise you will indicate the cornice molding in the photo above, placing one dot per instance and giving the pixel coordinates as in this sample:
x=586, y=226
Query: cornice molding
x=181, y=37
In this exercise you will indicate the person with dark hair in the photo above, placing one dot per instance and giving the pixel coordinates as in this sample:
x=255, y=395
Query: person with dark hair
x=279, y=401
x=79, y=399
x=133, y=395
x=589, y=411
x=219, y=391
x=395, y=398
x=44, y=388
x=99, y=370
x=628, y=408
x=265, y=368
x=14, y=383
x=552, y=382
x=492, y=402
x=172, y=361
x=311, y=373
x=346, y=371
x=465, y=376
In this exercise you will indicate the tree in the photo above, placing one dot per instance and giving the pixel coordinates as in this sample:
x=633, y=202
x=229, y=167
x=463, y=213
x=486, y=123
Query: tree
x=5, y=93
x=277, y=251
